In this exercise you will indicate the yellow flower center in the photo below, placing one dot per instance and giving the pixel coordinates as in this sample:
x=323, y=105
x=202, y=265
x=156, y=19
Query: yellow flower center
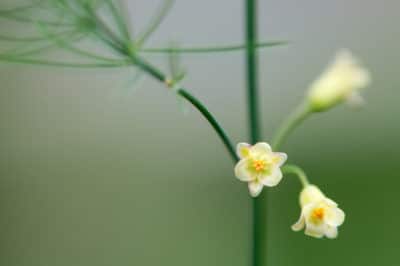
x=318, y=214
x=259, y=165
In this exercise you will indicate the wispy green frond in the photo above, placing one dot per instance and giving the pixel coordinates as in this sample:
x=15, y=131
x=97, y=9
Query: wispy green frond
x=43, y=48
x=155, y=21
x=119, y=19
x=40, y=62
x=27, y=38
x=21, y=18
x=20, y=8
x=67, y=45
x=176, y=71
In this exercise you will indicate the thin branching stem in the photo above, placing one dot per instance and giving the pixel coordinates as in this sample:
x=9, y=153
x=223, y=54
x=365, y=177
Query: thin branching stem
x=290, y=124
x=210, y=49
x=68, y=46
x=32, y=20
x=119, y=19
x=155, y=22
x=145, y=66
x=39, y=62
x=30, y=39
x=44, y=48
x=204, y=111
x=296, y=170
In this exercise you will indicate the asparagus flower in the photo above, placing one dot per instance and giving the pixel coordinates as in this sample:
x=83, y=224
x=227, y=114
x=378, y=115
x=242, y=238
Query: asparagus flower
x=319, y=215
x=259, y=166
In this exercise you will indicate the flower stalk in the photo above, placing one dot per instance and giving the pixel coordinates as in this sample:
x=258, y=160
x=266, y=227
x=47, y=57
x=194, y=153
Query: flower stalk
x=296, y=170
x=290, y=124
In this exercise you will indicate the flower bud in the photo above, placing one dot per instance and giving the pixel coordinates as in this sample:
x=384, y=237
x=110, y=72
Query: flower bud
x=340, y=82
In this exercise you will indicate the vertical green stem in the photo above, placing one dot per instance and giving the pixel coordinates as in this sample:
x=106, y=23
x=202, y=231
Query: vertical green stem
x=259, y=234
x=252, y=69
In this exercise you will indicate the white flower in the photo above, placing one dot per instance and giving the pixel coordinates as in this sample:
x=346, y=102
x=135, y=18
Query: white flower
x=319, y=215
x=259, y=166
x=341, y=81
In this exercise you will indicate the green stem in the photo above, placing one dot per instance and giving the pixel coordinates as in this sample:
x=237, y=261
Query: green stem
x=210, y=49
x=259, y=234
x=119, y=19
x=25, y=61
x=155, y=73
x=67, y=45
x=296, y=170
x=293, y=121
x=203, y=110
x=149, y=69
x=155, y=22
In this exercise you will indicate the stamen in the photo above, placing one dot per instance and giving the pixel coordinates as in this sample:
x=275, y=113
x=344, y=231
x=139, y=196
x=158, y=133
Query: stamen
x=318, y=213
x=259, y=165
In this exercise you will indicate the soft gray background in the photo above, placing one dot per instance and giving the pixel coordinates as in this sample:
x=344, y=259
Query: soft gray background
x=92, y=173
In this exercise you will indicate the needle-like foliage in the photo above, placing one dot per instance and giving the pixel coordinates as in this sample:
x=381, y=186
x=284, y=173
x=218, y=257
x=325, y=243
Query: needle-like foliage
x=89, y=33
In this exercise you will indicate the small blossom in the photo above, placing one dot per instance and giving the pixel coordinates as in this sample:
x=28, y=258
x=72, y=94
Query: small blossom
x=341, y=81
x=259, y=166
x=319, y=215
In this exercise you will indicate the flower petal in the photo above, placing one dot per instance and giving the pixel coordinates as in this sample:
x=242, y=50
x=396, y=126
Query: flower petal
x=355, y=100
x=242, y=172
x=314, y=231
x=299, y=225
x=331, y=232
x=273, y=179
x=335, y=217
x=330, y=202
x=243, y=150
x=255, y=188
x=310, y=194
x=279, y=158
x=261, y=148
x=360, y=76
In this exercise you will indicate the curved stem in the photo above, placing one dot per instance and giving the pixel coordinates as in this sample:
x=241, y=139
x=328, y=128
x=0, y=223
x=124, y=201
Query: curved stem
x=207, y=115
x=294, y=120
x=158, y=75
x=296, y=170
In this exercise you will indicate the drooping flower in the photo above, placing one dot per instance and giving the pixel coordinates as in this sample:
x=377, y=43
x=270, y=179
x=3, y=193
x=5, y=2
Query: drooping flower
x=341, y=81
x=319, y=215
x=259, y=166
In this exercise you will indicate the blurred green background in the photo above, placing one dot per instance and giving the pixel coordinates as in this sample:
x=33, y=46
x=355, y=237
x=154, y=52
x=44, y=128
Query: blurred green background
x=93, y=173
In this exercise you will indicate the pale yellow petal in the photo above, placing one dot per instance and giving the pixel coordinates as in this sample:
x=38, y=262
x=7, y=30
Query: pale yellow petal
x=299, y=225
x=355, y=100
x=241, y=171
x=273, y=179
x=243, y=150
x=255, y=188
x=335, y=217
x=330, y=202
x=260, y=149
x=315, y=231
x=331, y=232
x=279, y=158
x=310, y=194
